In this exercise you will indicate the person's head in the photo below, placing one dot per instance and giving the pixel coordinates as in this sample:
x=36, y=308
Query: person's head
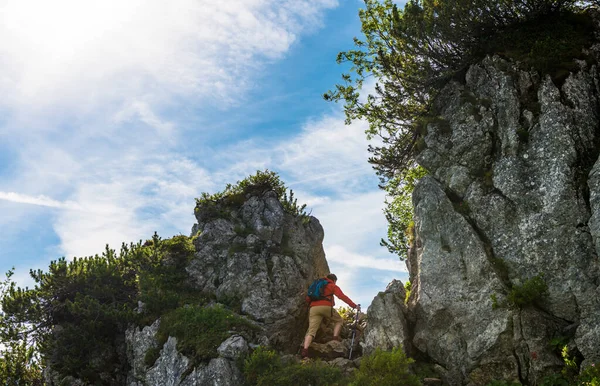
x=331, y=276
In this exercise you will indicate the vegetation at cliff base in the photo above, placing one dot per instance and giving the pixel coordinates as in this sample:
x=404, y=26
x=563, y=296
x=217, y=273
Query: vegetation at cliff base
x=382, y=368
x=215, y=323
x=265, y=367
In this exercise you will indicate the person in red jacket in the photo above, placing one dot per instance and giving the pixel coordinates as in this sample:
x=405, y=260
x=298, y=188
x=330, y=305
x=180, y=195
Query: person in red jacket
x=323, y=309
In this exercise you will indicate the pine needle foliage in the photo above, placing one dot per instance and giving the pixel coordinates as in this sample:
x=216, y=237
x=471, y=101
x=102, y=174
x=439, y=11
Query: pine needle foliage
x=75, y=317
x=19, y=363
x=411, y=54
x=234, y=195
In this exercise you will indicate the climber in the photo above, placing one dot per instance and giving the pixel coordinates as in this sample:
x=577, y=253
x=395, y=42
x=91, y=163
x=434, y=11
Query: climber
x=323, y=308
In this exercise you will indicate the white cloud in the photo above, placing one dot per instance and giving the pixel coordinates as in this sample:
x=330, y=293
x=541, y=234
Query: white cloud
x=87, y=85
x=40, y=200
x=354, y=221
x=339, y=256
x=141, y=111
x=129, y=202
x=327, y=152
x=81, y=52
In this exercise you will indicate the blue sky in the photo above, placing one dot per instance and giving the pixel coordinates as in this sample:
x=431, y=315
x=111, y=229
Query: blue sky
x=116, y=115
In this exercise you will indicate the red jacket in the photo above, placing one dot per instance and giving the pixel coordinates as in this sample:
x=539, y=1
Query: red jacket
x=329, y=290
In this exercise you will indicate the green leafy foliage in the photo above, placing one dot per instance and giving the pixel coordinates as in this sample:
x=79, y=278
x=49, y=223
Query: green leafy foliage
x=348, y=314
x=385, y=368
x=407, y=288
x=531, y=291
x=503, y=383
x=590, y=376
x=399, y=211
x=261, y=362
x=265, y=368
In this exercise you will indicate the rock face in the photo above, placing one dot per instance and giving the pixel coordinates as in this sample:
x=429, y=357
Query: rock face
x=172, y=368
x=513, y=193
x=256, y=259
x=260, y=259
x=387, y=327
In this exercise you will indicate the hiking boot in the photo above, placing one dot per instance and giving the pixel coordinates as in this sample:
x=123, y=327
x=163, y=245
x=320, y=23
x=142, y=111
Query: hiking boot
x=304, y=353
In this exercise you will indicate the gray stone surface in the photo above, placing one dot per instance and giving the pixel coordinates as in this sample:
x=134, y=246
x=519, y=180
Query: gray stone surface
x=234, y=347
x=387, y=327
x=513, y=192
x=256, y=259
x=260, y=259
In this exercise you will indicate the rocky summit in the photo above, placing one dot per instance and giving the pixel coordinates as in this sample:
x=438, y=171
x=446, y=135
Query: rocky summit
x=504, y=260
x=258, y=260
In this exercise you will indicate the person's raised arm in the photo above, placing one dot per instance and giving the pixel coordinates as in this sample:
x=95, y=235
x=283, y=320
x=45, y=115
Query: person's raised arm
x=338, y=292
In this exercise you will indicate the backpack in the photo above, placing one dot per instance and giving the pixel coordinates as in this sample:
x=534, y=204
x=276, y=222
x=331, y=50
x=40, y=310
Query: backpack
x=315, y=290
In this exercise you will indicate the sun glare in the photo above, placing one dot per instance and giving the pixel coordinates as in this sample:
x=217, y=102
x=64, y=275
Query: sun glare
x=61, y=27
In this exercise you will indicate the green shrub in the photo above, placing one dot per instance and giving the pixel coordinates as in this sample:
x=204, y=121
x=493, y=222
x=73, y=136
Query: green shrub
x=307, y=373
x=555, y=380
x=151, y=356
x=528, y=293
x=385, y=368
x=200, y=330
x=261, y=362
x=78, y=311
x=162, y=281
x=213, y=205
x=590, y=376
x=265, y=368
x=503, y=383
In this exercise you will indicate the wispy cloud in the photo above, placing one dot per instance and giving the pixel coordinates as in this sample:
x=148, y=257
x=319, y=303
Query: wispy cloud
x=82, y=52
x=339, y=256
x=40, y=200
x=327, y=151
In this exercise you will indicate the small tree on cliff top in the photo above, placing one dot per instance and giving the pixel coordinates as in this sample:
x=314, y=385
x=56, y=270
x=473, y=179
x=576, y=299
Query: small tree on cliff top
x=413, y=53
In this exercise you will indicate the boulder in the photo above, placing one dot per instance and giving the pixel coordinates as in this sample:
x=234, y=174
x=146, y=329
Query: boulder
x=330, y=350
x=235, y=347
x=387, y=327
x=256, y=259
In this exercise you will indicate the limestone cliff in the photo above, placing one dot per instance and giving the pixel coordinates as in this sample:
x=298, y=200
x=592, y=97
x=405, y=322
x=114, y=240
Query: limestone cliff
x=258, y=260
x=511, y=200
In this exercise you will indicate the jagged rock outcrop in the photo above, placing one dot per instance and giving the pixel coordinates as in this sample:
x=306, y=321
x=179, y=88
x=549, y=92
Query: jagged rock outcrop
x=258, y=260
x=387, y=327
x=513, y=193
x=261, y=259
x=173, y=369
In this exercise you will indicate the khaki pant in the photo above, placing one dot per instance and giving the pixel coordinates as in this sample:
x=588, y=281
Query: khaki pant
x=316, y=315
